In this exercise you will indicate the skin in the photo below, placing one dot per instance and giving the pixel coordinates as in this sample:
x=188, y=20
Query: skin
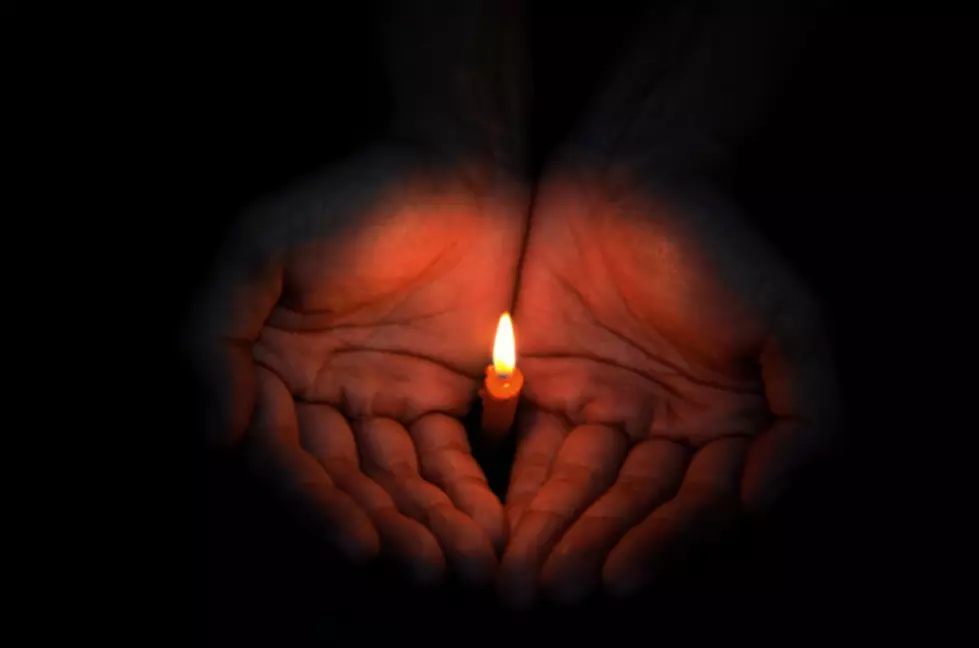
x=350, y=317
x=677, y=373
x=344, y=335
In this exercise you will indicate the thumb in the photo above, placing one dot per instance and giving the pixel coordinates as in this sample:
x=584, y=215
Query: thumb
x=798, y=368
x=224, y=323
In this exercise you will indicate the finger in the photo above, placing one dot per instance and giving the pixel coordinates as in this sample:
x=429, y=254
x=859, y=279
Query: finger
x=707, y=500
x=545, y=433
x=325, y=433
x=295, y=476
x=778, y=454
x=224, y=323
x=585, y=466
x=446, y=460
x=802, y=393
x=651, y=474
x=388, y=456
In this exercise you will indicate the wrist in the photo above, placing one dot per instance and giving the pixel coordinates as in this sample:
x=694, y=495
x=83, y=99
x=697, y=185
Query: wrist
x=458, y=79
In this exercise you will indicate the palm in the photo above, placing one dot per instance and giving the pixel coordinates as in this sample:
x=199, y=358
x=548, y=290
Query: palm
x=654, y=333
x=380, y=284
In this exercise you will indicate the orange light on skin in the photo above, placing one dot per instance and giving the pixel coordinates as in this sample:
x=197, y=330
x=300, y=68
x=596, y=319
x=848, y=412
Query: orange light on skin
x=501, y=388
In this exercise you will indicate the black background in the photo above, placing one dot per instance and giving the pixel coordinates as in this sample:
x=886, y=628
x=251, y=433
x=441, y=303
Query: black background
x=860, y=178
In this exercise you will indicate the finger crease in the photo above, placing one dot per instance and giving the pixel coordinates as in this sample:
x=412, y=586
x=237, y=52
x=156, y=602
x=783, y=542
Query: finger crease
x=471, y=480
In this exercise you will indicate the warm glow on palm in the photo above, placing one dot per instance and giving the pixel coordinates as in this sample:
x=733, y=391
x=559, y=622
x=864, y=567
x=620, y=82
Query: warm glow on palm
x=352, y=315
x=674, y=373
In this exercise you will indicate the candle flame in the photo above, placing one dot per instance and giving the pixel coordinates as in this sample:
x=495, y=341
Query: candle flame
x=505, y=347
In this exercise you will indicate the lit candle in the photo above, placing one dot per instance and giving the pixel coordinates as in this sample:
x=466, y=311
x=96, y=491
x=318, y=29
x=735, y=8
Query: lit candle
x=501, y=389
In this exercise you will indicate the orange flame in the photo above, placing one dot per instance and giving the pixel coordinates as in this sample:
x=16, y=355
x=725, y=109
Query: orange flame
x=505, y=347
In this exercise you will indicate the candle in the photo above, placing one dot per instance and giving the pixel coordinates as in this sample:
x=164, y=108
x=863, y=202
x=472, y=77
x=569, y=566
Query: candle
x=501, y=388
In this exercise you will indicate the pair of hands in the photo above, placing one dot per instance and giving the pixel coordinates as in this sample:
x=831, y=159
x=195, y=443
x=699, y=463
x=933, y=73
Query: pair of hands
x=676, y=374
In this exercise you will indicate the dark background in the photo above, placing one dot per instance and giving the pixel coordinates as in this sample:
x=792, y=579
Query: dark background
x=858, y=176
